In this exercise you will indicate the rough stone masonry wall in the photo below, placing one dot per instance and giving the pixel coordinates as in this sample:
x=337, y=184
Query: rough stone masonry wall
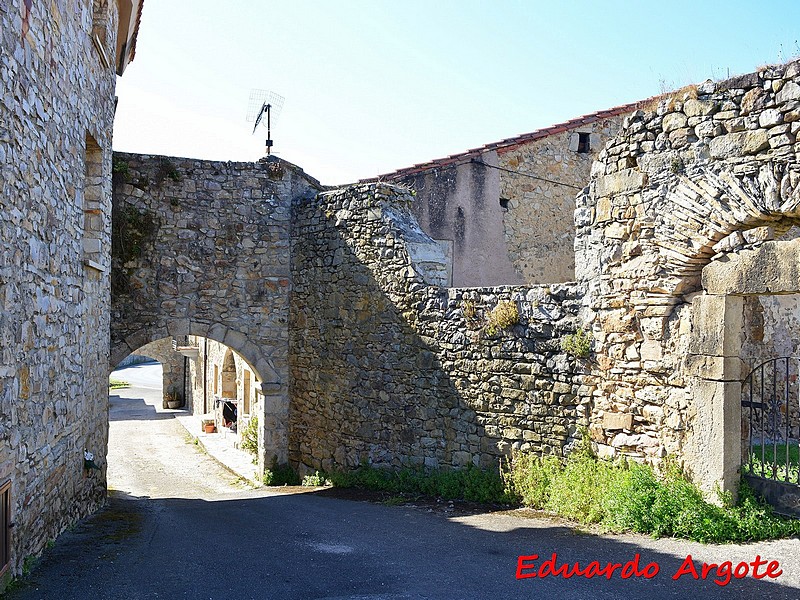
x=201, y=248
x=702, y=174
x=391, y=369
x=538, y=224
x=56, y=112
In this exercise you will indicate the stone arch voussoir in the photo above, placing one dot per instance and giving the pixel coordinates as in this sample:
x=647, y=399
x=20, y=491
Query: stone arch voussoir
x=252, y=354
x=704, y=208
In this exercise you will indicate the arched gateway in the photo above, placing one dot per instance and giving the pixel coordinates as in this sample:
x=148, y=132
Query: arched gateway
x=202, y=249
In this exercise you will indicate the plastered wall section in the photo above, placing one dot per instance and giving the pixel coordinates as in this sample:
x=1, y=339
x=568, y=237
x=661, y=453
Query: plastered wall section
x=391, y=368
x=458, y=205
x=56, y=111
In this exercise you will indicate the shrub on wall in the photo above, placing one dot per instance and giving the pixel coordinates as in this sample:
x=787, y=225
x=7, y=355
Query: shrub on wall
x=503, y=316
x=578, y=344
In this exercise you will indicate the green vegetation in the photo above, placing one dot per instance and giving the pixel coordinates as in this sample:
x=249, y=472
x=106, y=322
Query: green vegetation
x=249, y=441
x=316, y=480
x=472, y=484
x=280, y=475
x=120, y=170
x=777, y=454
x=617, y=497
x=631, y=497
x=578, y=344
x=503, y=316
x=116, y=384
x=166, y=169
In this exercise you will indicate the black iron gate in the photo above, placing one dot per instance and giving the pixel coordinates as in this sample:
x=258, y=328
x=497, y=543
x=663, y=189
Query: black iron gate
x=770, y=432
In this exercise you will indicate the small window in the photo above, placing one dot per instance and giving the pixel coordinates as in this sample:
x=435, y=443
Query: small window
x=5, y=527
x=583, y=142
x=92, y=201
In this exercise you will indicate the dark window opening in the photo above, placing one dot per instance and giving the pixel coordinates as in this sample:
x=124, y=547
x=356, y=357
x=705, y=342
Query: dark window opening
x=583, y=142
x=5, y=527
x=504, y=203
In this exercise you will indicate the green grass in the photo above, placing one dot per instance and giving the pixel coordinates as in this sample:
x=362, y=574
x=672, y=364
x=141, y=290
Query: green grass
x=116, y=384
x=631, y=497
x=470, y=484
x=616, y=497
x=753, y=464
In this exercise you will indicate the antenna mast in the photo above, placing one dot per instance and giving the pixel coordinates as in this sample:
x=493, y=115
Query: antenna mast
x=261, y=102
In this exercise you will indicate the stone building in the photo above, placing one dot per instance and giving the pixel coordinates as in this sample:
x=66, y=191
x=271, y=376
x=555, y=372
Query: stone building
x=58, y=64
x=503, y=212
x=366, y=324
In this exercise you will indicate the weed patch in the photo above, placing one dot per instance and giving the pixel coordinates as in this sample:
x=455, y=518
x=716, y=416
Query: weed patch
x=631, y=497
x=280, y=475
x=249, y=441
x=471, y=484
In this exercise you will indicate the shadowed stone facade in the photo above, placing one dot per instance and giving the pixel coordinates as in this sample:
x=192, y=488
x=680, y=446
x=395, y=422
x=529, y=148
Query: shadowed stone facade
x=389, y=368
x=56, y=113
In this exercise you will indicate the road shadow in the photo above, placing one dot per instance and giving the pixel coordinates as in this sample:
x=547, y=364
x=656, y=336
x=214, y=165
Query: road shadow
x=302, y=546
x=124, y=408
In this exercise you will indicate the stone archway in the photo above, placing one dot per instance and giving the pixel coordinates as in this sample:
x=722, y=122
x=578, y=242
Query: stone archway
x=273, y=415
x=714, y=448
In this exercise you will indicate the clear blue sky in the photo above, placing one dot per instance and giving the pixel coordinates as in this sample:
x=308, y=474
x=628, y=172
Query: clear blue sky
x=373, y=86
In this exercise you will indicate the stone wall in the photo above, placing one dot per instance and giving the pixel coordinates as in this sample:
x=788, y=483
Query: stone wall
x=687, y=185
x=538, y=224
x=201, y=248
x=172, y=367
x=205, y=380
x=56, y=112
x=390, y=368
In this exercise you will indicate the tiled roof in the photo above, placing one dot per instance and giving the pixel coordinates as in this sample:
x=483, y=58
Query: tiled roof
x=136, y=31
x=509, y=143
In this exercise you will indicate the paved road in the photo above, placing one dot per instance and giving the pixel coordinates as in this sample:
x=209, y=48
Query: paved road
x=179, y=526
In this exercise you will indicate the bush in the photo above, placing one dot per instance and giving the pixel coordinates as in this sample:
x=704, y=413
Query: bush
x=578, y=344
x=503, y=316
x=249, y=441
x=280, y=475
x=316, y=480
x=631, y=497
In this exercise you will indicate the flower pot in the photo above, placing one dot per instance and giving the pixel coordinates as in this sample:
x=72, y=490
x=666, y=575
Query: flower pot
x=173, y=404
x=210, y=428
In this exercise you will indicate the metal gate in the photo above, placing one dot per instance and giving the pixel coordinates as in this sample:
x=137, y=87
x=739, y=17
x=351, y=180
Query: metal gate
x=770, y=432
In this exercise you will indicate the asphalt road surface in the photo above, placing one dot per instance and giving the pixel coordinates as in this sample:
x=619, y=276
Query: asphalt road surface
x=179, y=526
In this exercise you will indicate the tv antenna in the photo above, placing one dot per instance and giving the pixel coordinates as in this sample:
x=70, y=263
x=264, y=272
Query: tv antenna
x=264, y=102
